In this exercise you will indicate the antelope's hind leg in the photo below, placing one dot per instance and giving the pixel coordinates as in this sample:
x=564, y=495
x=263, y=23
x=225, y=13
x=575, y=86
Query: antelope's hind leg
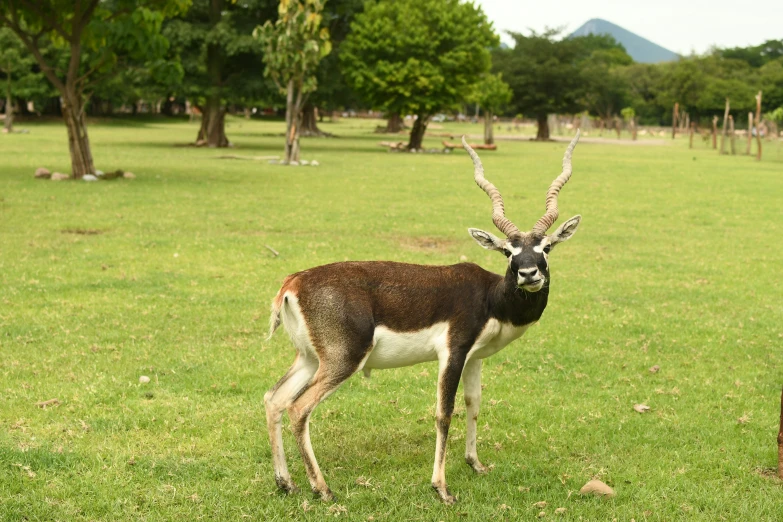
x=327, y=379
x=276, y=401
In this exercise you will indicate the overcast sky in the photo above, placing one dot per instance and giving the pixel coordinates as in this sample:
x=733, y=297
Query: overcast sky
x=681, y=26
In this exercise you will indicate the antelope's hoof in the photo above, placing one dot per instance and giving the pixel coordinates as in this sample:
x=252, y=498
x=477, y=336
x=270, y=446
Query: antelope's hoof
x=286, y=485
x=325, y=495
x=477, y=466
x=446, y=497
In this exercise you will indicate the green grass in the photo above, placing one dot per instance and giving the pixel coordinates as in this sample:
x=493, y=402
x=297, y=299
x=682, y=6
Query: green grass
x=677, y=263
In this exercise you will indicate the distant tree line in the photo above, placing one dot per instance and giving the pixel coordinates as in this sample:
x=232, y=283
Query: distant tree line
x=550, y=74
x=402, y=57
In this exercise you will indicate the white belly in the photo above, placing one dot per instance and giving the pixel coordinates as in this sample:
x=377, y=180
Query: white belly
x=397, y=349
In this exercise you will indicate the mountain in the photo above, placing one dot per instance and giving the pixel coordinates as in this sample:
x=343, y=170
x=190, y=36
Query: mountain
x=640, y=49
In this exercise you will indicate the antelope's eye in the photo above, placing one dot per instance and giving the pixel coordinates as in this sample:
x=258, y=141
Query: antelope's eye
x=547, y=249
x=507, y=252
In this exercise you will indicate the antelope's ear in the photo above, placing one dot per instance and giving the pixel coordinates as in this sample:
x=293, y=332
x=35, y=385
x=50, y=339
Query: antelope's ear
x=565, y=231
x=487, y=240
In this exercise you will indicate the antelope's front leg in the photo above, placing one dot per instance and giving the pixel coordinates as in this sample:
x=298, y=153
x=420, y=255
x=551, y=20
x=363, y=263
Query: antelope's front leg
x=471, y=385
x=448, y=382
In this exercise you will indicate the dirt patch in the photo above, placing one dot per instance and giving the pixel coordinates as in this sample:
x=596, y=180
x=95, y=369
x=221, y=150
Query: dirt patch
x=768, y=473
x=82, y=231
x=426, y=244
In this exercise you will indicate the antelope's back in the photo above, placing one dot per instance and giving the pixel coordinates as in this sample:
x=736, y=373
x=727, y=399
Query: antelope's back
x=400, y=296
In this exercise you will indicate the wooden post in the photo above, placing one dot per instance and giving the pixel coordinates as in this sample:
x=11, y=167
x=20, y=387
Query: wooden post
x=750, y=132
x=675, y=115
x=725, y=128
x=780, y=440
x=714, y=132
x=693, y=124
x=758, y=126
x=733, y=136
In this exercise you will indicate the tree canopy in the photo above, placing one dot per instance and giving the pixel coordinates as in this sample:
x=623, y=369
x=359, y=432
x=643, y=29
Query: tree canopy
x=552, y=75
x=95, y=39
x=417, y=56
x=293, y=46
x=214, y=43
x=16, y=64
x=492, y=94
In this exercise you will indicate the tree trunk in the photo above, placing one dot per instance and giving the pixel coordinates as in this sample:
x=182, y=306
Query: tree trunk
x=714, y=132
x=78, y=140
x=489, y=136
x=213, y=127
x=750, y=132
x=732, y=136
x=395, y=124
x=758, y=126
x=417, y=132
x=310, y=122
x=675, y=115
x=693, y=124
x=9, y=105
x=633, y=128
x=725, y=128
x=293, y=122
x=543, y=128
x=213, y=118
x=618, y=127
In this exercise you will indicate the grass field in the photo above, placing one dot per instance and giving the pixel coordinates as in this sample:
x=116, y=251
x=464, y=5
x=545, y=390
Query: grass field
x=677, y=264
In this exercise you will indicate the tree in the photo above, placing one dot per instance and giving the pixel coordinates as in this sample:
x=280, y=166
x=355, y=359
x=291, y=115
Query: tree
x=333, y=92
x=96, y=36
x=491, y=94
x=546, y=73
x=771, y=82
x=417, y=56
x=756, y=56
x=214, y=43
x=605, y=88
x=293, y=46
x=643, y=81
x=17, y=66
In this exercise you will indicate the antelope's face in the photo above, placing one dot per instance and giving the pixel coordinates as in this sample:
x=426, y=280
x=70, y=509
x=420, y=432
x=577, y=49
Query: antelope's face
x=528, y=254
x=528, y=260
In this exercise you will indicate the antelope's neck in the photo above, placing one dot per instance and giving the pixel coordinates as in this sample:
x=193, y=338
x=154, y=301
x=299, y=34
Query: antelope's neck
x=510, y=304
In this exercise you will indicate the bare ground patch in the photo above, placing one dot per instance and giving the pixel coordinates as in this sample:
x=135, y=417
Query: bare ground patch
x=426, y=244
x=82, y=231
x=768, y=473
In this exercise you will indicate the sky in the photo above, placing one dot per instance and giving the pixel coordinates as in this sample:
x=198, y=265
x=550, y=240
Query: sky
x=681, y=26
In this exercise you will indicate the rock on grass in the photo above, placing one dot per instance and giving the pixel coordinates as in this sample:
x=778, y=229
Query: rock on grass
x=598, y=488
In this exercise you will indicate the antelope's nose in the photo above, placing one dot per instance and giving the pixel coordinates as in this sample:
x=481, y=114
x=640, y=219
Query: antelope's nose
x=528, y=276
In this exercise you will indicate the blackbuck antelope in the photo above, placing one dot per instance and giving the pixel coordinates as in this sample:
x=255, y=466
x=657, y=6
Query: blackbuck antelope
x=351, y=316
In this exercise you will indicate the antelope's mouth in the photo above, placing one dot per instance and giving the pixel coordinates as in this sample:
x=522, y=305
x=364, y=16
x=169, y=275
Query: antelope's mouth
x=533, y=286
